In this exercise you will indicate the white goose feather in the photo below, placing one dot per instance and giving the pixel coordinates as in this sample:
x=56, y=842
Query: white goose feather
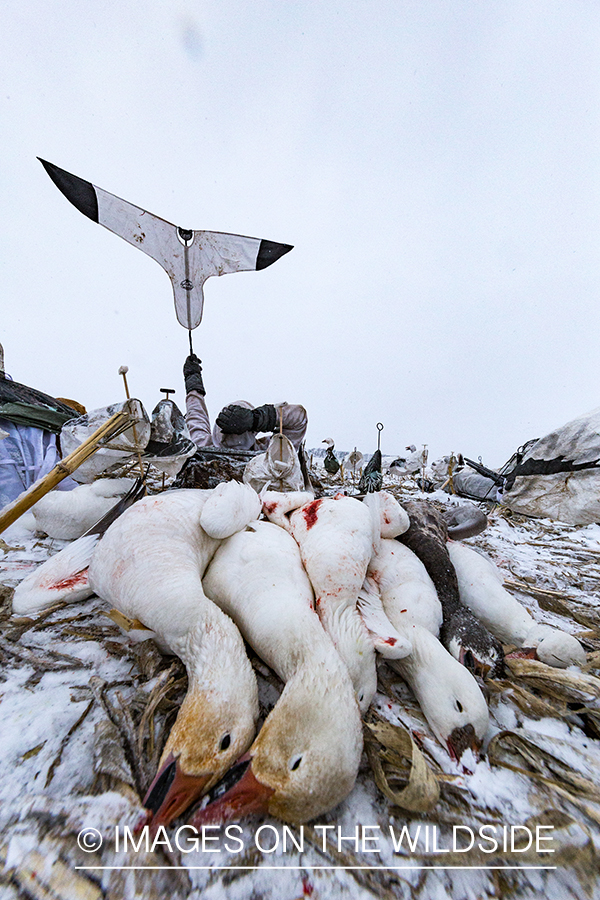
x=307, y=753
x=149, y=566
x=446, y=691
x=480, y=588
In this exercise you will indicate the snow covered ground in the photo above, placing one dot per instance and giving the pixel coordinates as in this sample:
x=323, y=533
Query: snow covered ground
x=84, y=712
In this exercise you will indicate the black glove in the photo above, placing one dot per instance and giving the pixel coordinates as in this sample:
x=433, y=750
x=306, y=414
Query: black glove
x=235, y=420
x=192, y=373
x=265, y=418
x=238, y=419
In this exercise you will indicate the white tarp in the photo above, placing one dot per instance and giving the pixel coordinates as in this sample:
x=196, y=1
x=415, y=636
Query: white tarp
x=559, y=476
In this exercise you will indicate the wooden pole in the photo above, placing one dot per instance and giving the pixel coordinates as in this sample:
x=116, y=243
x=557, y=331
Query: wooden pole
x=123, y=370
x=280, y=433
x=23, y=502
x=451, y=462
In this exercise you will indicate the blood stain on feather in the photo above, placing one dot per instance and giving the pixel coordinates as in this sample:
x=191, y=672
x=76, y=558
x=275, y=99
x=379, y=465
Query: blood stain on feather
x=71, y=581
x=310, y=512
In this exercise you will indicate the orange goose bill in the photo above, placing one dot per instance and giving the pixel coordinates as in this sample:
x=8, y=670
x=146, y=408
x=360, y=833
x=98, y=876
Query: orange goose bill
x=236, y=795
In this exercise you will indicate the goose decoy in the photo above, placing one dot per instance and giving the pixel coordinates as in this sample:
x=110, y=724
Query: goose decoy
x=446, y=691
x=372, y=478
x=330, y=462
x=69, y=514
x=354, y=459
x=305, y=758
x=480, y=588
x=64, y=577
x=188, y=257
x=149, y=566
x=398, y=466
x=462, y=634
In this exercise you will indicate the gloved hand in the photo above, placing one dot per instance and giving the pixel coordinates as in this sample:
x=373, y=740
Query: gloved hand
x=235, y=420
x=192, y=373
x=265, y=418
x=238, y=419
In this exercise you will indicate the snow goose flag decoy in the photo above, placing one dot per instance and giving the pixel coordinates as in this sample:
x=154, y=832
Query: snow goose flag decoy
x=188, y=257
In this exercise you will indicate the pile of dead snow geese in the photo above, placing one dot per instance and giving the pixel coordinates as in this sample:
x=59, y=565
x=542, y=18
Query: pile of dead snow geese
x=317, y=587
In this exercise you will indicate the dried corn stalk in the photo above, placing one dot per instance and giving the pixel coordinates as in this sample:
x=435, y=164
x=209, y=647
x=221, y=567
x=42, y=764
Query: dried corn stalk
x=422, y=790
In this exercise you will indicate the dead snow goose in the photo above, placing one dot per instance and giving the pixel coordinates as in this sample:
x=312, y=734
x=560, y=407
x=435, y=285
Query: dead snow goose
x=462, y=634
x=149, y=566
x=306, y=756
x=464, y=521
x=403, y=581
x=480, y=587
x=335, y=536
x=389, y=518
x=64, y=577
x=446, y=691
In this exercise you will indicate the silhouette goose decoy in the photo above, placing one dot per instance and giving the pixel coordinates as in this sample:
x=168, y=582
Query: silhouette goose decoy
x=372, y=476
x=188, y=257
x=330, y=463
x=354, y=459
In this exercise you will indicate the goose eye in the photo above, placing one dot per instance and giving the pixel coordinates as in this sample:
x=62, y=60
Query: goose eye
x=361, y=698
x=459, y=706
x=295, y=762
x=225, y=742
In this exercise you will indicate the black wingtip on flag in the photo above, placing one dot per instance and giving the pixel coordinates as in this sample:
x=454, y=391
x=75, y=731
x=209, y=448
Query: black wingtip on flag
x=81, y=193
x=188, y=257
x=269, y=252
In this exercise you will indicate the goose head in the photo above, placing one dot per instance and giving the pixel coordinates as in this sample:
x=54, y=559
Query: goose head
x=304, y=761
x=554, y=647
x=215, y=725
x=469, y=641
x=447, y=693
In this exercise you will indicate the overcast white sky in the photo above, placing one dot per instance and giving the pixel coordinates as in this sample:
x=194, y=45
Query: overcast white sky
x=435, y=164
